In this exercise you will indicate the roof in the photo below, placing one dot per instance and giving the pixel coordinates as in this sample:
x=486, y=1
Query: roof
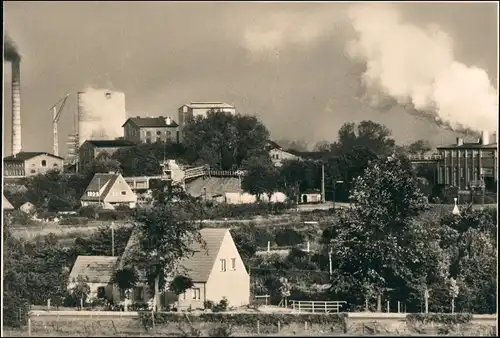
x=98, y=181
x=110, y=143
x=474, y=145
x=198, y=266
x=6, y=204
x=151, y=122
x=98, y=269
x=26, y=155
x=209, y=105
x=272, y=145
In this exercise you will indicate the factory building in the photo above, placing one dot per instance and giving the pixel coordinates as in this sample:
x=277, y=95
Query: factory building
x=194, y=109
x=151, y=129
x=101, y=113
x=91, y=149
x=25, y=164
x=467, y=165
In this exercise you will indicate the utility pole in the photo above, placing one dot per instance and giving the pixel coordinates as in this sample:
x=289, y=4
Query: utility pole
x=323, y=182
x=113, y=239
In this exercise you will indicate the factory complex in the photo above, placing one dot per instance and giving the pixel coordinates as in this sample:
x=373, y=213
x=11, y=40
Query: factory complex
x=102, y=125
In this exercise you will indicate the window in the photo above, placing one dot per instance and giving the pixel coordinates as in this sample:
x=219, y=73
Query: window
x=169, y=133
x=148, y=140
x=158, y=132
x=222, y=265
x=233, y=264
x=148, y=133
x=33, y=171
x=124, y=192
x=44, y=163
x=158, y=139
x=196, y=293
x=108, y=95
x=55, y=165
x=101, y=292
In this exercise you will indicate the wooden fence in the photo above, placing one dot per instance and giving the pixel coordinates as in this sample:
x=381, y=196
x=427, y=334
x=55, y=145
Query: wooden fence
x=317, y=306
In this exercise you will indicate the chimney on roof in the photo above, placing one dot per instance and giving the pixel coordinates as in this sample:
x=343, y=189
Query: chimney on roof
x=460, y=141
x=485, y=138
x=168, y=121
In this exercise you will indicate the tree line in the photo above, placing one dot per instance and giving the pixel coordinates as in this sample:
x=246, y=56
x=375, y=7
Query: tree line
x=227, y=142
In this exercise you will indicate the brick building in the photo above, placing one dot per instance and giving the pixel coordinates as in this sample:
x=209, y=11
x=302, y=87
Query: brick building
x=91, y=149
x=467, y=165
x=151, y=129
x=27, y=163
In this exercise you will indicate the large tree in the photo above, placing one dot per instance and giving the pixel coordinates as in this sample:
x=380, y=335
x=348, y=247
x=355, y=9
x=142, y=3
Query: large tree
x=162, y=237
x=262, y=177
x=223, y=140
x=376, y=243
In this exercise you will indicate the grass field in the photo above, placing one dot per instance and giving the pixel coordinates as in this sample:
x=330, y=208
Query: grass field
x=294, y=219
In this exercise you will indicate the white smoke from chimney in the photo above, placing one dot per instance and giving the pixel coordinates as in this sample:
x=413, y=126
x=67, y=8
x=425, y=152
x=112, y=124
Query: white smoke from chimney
x=416, y=65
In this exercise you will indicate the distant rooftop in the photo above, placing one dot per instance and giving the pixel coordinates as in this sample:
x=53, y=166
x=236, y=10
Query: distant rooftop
x=209, y=105
x=26, y=155
x=470, y=145
x=110, y=143
x=152, y=122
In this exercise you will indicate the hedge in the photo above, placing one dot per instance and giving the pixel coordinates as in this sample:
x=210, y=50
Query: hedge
x=245, y=319
x=439, y=318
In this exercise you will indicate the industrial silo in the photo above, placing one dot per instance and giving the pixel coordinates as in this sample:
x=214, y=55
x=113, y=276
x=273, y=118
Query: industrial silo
x=101, y=114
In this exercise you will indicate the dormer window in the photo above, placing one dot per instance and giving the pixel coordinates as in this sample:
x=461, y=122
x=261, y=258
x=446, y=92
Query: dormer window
x=108, y=95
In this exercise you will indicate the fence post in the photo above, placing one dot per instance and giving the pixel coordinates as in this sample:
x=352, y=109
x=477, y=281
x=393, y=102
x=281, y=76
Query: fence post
x=268, y=246
x=305, y=325
x=29, y=325
x=48, y=304
x=326, y=308
x=293, y=305
x=312, y=306
x=258, y=327
x=399, y=306
x=279, y=326
x=388, y=310
x=299, y=305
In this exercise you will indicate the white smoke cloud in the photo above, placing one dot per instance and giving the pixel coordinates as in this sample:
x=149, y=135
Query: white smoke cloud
x=268, y=34
x=416, y=65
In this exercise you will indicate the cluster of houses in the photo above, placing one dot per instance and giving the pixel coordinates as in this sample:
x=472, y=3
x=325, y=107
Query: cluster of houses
x=216, y=270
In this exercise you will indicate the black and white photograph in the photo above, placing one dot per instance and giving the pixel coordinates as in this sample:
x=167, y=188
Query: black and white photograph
x=253, y=168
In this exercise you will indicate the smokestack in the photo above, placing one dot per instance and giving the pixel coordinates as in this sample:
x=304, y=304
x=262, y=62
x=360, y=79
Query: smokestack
x=485, y=138
x=16, y=105
x=168, y=121
x=460, y=141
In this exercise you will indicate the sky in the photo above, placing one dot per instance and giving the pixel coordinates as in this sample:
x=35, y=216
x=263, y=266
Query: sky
x=290, y=64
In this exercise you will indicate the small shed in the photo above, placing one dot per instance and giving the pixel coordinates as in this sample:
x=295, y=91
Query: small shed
x=28, y=208
x=311, y=196
x=98, y=273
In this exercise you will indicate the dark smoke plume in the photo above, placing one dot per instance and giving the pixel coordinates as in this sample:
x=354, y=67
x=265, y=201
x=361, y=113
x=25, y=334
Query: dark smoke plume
x=11, y=52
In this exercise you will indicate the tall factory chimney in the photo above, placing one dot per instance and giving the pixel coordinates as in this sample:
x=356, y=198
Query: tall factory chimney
x=16, y=105
x=485, y=137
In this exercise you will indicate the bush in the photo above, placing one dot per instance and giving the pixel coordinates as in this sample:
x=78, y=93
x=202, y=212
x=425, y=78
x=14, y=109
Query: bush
x=286, y=237
x=47, y=215
x=21, y=218
x=245, y=210
x=90, y=212
x=244, y=319
x=113, y=215
x=221, y=306
x=74, y=221
x=439, y=318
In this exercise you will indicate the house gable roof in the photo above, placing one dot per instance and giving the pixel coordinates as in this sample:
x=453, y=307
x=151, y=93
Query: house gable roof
x=26, y=155
x=151, y=122
x=97, y=183
x=209, y=105
x=98, y=269
x=198, y=266
x=6, y=204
